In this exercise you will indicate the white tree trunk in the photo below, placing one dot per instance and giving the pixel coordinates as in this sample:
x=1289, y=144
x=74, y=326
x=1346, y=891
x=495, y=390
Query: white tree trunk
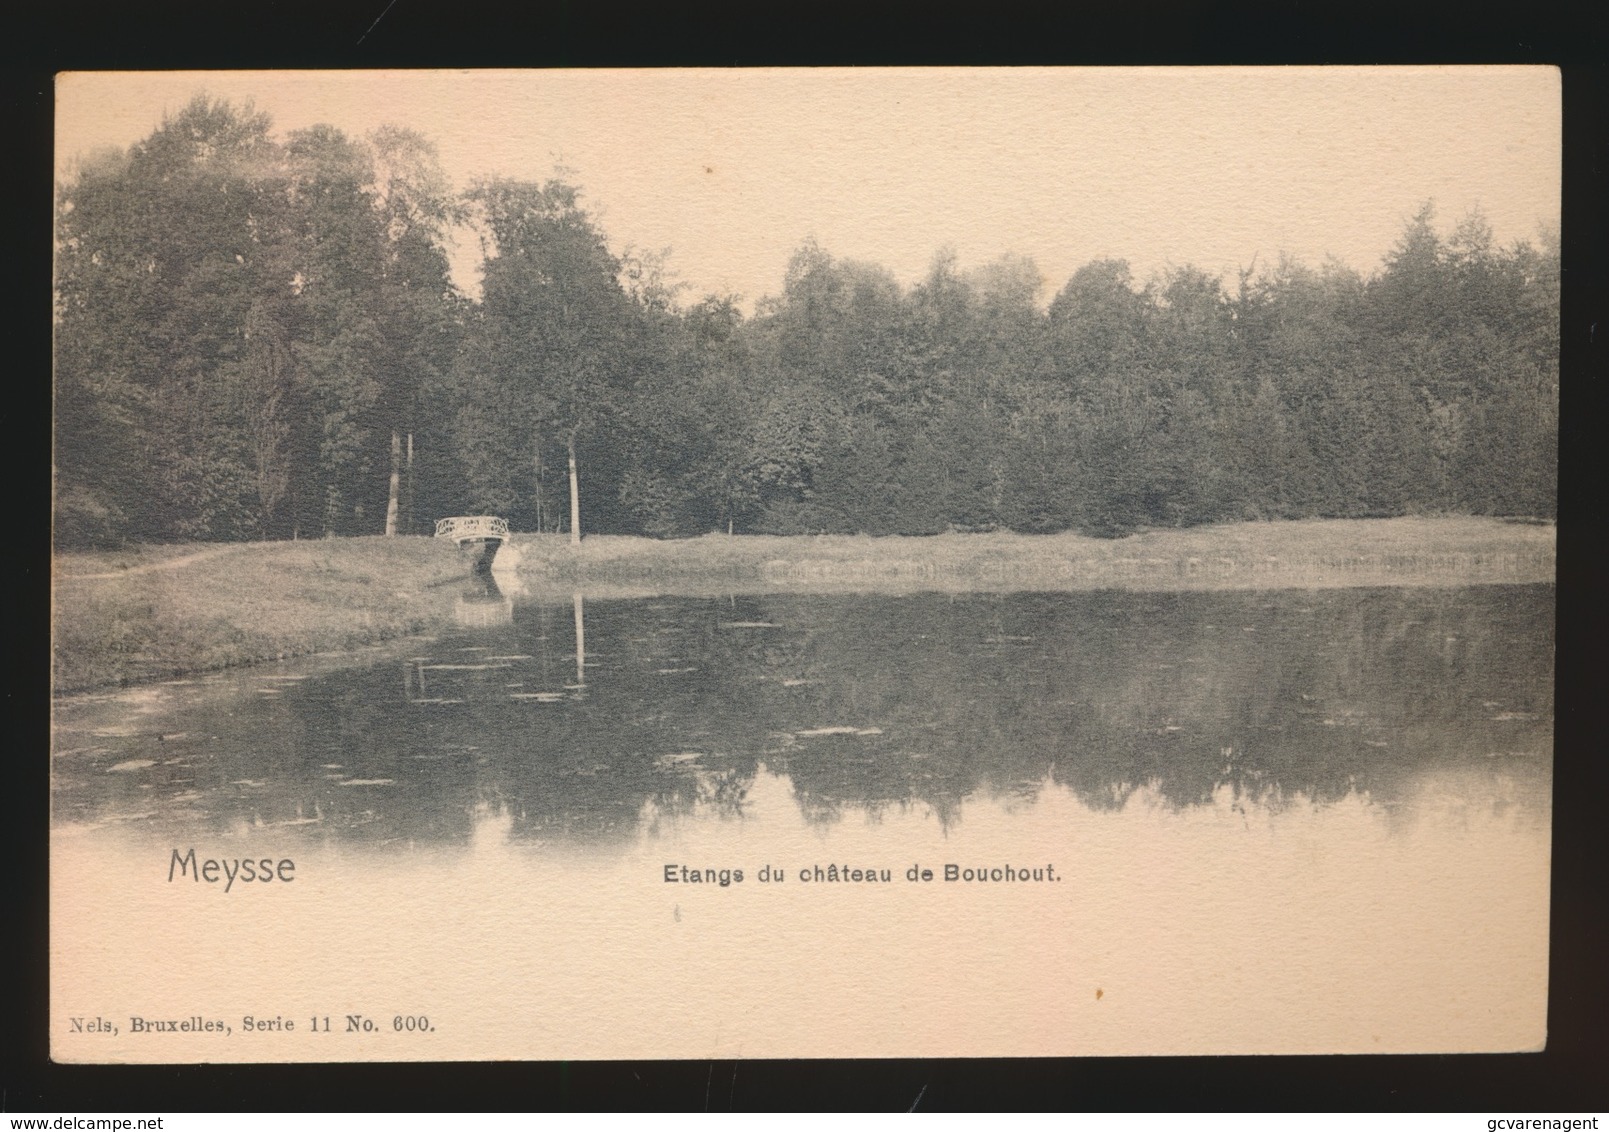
x=394, y=495
x=575, y=496
x=407, y=510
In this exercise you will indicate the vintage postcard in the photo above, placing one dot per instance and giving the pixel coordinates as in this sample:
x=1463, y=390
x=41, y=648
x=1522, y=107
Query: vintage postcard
x=822, y=563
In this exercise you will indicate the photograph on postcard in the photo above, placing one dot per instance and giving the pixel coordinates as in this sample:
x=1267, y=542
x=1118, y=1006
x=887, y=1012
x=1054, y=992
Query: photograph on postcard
x=802, y=563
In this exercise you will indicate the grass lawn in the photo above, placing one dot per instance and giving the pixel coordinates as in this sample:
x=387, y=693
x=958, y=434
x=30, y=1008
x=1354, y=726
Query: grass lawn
x=163, y=613
x=1306, y=554
x=152, y=613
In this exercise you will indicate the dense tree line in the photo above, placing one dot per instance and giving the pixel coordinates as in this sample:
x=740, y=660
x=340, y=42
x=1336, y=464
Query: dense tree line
x=259, y=338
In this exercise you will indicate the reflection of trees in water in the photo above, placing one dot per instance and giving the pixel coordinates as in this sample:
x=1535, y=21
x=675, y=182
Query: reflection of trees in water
x=580, y=720
x=591, y=779
x=1311, y=693
x=464, y=731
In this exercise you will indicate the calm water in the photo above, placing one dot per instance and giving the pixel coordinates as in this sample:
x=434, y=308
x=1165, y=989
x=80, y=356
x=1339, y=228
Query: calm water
x=579, y=721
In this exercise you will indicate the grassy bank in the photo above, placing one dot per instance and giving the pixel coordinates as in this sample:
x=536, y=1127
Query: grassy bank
x=1309, y=554
x=153, y=613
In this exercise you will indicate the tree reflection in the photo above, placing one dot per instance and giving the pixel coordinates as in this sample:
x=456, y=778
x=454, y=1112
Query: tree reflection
x=864, y=703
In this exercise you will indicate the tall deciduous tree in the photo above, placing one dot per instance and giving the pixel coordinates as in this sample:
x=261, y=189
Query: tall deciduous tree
x=241, y=323
x=557, y=330
x=418, y=308
x=158, y=267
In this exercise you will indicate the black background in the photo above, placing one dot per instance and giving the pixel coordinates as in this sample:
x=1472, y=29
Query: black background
x=478, y=33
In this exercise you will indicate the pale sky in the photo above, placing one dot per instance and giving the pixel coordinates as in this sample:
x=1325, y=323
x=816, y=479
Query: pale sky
x=733, y=169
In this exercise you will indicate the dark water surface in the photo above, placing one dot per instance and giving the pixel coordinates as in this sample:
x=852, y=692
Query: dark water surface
x=577, y=718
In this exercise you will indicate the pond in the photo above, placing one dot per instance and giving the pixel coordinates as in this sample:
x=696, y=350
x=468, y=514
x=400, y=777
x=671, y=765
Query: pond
x=1232, y=790
x=583, y=718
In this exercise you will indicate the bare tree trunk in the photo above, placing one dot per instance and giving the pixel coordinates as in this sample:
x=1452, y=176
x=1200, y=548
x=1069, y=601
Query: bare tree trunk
x=575, y=495
x=409, y=518
x=393, y=495
x=536, y=460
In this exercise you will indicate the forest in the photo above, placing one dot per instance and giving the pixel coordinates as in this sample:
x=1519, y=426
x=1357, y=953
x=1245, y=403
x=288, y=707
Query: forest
x=259, y=338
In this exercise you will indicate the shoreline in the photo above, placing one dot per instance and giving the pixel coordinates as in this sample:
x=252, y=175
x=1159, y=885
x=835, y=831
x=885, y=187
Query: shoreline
x=156, y=613
x=1314, y=553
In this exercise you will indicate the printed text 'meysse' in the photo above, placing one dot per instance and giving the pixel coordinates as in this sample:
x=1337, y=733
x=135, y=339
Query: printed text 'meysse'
x=263, y=870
